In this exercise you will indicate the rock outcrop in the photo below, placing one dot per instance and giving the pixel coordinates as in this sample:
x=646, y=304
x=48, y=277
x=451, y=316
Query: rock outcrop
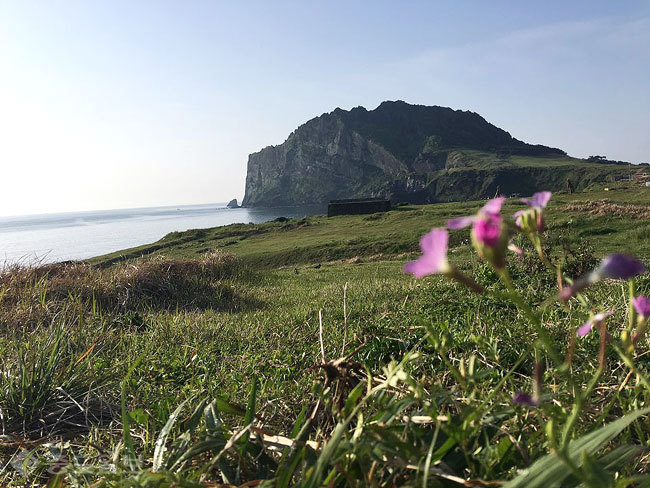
x=399, y=151
x=232, y=203
x=321, y=160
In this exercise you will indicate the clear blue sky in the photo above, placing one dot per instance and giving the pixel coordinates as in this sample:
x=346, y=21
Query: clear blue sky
x=110, y=104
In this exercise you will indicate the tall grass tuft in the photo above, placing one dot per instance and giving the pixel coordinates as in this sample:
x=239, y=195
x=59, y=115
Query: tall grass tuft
x=33, y=295
x=50, y=387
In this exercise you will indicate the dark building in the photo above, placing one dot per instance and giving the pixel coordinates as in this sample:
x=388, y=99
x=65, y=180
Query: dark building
x=357, y=206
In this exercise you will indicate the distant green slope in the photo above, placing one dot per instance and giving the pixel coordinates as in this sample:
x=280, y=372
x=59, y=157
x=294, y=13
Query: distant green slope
x=473, y=175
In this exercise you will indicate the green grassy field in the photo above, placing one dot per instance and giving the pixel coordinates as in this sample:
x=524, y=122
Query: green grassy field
x=89, y=371
x=379, y=236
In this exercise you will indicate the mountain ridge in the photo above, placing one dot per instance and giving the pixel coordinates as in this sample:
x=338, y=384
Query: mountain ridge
x=409, y=153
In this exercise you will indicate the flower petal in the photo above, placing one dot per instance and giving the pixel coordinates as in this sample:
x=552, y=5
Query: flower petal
x=434, y=254
x=460, y=222
x=493, y=206
x=599, y=317
x=517, y=216
x=488, y=230
x=538, y=200
x=620, y=267
x=422, y=266
x=516, y=249
x=567, y=292
x=642, y=305
x=435, y=242
x=596, y=320
x=585, y=328
x=521, y=398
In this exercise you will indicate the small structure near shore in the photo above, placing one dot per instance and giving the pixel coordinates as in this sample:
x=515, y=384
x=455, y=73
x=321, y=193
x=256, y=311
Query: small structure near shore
x=357, y=206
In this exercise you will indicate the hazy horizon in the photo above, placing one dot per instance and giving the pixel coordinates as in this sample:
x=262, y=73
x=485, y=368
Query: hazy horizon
x=120, y=105
x=91, y=210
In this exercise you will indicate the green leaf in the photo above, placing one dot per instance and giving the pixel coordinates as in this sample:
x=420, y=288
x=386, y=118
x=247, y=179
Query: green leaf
x=315, y=476
x=250, y=415
x=639, y=481
x=299, y=422
x=353, y=398
x=292, y=456
x=139, y=416
x=212, y=420
x=192, y=423
x=159, y=450
x=225, y=406
x=197, y=449
x=126, y=419
x=551, y=471
x=617, y=458
x=182, y=443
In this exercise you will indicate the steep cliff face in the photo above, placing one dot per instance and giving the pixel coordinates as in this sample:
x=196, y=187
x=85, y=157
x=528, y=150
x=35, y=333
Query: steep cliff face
x=398, y=151
x=322, y=160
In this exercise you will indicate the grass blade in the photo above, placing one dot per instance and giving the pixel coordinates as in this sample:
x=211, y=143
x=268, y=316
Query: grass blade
x=551, y=471
x=161, y=441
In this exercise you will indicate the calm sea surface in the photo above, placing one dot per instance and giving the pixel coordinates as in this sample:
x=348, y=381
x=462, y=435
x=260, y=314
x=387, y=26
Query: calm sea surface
x=79, y=235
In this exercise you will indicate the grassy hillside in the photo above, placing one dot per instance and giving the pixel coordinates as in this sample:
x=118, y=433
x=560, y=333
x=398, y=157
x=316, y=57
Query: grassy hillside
x=97, y=357
x=380, y=236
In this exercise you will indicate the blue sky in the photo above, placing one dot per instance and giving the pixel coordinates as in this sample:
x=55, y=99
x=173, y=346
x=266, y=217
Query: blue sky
x=110, y=104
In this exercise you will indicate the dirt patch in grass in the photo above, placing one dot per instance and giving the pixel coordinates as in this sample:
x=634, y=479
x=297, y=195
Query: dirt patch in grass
x=608, y=208
x=354, y=260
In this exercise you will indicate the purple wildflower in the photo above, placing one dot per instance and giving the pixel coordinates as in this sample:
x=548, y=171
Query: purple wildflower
x=521, y=398
x=488, y=236
x=433, y=260
x=487, y=230
x=595, y=321
x=620, y=267
x=539, y=200
x=567, y=292
x=460, y=222
x=642, y=306
x=518, y=215
x=434, y=247
x=532, y=220
x=614, y=266
x=585, y=328
x=492, y=207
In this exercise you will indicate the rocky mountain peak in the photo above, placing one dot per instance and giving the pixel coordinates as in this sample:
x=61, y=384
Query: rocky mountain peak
x=397, y=150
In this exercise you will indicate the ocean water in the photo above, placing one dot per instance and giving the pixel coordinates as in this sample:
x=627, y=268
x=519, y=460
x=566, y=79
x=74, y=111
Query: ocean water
x=78, y=235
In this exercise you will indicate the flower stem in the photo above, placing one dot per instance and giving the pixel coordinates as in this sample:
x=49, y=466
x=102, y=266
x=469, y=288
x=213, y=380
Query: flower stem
x=577, y=407
x=463, y=279
x=532, y=316
x=630, y=364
